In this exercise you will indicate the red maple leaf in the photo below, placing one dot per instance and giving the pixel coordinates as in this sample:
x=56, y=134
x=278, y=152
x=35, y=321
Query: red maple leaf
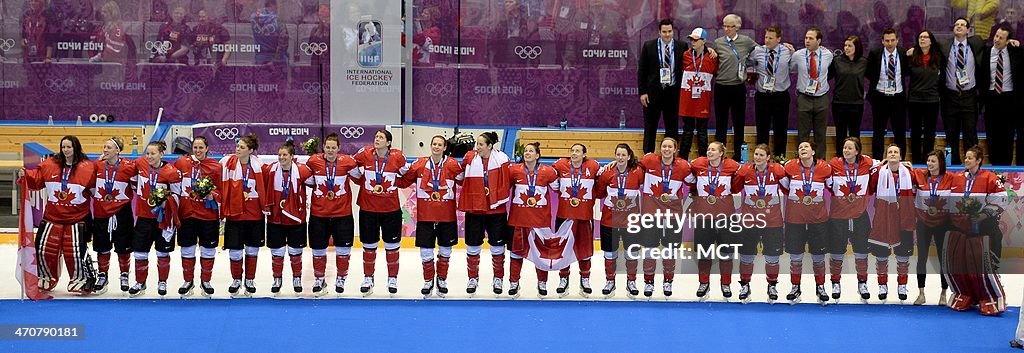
x=800, y=194
x=939, y=202
x=718, y=190
x=525, y=196
x=583, y=191
x=441, y=191
x=113, y=193
x=188, y=191
x=550, y=249
x=385, y=183
x=696, y=81
x=323, y=189
x=767, y=198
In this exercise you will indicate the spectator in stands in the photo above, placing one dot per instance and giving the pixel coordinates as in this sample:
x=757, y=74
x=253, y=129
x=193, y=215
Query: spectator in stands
x=1010, y=20
x=847, y=24
x=116, y=42
x=510, y=30
x=37, y=30
x=982, y=13
x=270, y=34
x=883, y=20
x=605, y=28
x=174, y=39
x=911, y=25
x=322, y=34
x=76, y=24
x=207, y=34
x=158, y=11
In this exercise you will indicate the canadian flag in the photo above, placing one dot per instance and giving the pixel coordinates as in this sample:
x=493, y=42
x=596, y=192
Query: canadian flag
x=26, y=268
x=552, y=251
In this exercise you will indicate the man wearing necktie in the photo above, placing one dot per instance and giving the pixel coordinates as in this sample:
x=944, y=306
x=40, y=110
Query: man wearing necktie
x=658, y=75
x=812, y=103
x=997, y=69
x=960, y=101
x=886, y=70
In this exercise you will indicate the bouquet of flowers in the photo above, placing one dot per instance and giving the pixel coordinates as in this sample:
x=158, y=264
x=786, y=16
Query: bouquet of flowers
x=157, y=197
x=779, y=159
x=972, y=207
x=311, y=146
x=202, y=188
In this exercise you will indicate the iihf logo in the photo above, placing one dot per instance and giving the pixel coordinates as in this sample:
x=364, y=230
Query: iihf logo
x=371, y=48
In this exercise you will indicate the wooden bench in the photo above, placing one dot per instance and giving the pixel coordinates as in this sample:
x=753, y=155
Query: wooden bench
x=12, y=137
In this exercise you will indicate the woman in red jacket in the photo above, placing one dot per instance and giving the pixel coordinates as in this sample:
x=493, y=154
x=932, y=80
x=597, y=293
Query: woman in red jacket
x=892, y=230
x=286, y=223
x=64, y=180
x=577, y=176
x=242, y=193
x=200, y=217
x=532, y=182
x=711, y=177
x=113, y=222
x=485, y=193
x=157, y=221
x=380, y=215
x=933, y=203
x=806, y=218
x=763, y=193
x=848, y=218
x=434, y=178
x=664, y=177
x=330, y=215
x=619, y=190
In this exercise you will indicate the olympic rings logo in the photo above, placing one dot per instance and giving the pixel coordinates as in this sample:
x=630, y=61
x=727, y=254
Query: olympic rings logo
x=226, y=133
x=6, y=44
x=528, y=52
x=160, y=48
x=313, y=48
x=440, y=89
x=269, y=28
x=58, y=85
x=191, y=87
x=560, y=89
x=313, y=88
x=351, y=132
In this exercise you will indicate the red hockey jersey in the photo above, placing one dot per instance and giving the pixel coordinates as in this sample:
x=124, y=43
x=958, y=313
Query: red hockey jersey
x=894, y=207
x=331, y=178
x=984, y=187
x=933, y=201
x=850, y=179
x=576, y=183
x=485, y=189
x=714, y=186
x=290, y=209
x=48, y=176
x=114, y=180
x=433, y=205
x=763, y=191
x=193, y=170
x=807, y=196
x=378, y=189
x=242, y=189
x=532, y=211
x=167, y=177
x=615, y=206
x=656, y=184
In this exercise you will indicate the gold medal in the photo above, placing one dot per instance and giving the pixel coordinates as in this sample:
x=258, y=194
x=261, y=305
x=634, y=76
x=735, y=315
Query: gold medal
x=330, y=195
x=378, y=189
x=851, y=197
x=760, y=203
x=574, y=202
x=932, y=211
x=151, y=203
x=487, y=191
x=281, y=204
x=436, y=196
x=63, y=195
x=246, y=195
x=808, y=200
x=531, y=202
x=665, y=197
x=621, y=204
x=712, y=200
x=108, y=198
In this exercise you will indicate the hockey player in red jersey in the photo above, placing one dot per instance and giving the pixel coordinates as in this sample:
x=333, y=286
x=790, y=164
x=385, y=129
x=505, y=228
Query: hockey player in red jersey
x=286, y=223
x=848, y=218
x=330, y=216
x=892, y=230
x=64, y=180
x=619, y=188
x=200, y=217
x=712, y=179
x=577, y=176
x=113, y=220
x=242, y=193
x=157, y=220
x=763, y=194
x=380, y=215
x=484, y=197
x=532, y=183
x=664, y=178
x=434, y=178
x=806, y=218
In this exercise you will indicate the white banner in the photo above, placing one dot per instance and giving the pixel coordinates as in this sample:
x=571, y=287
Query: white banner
x=367, y=67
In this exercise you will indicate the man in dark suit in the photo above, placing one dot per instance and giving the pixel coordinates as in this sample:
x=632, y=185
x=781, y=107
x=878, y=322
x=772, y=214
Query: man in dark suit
x=960, y=92
x=887, y=69
x=998, y=67
x=658, y=76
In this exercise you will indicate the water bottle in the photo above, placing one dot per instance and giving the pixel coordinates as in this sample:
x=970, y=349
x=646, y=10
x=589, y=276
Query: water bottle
x=622, y=118
x=949, y=155
x=743, y=152
x=564, y=123
x=135, y=144
x=79, y=122
x=50, y=121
